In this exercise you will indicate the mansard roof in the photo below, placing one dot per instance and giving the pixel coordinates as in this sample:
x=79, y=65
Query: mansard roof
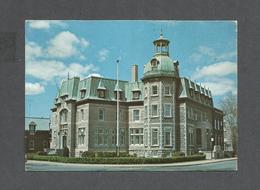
x=72, y=88
x=188, y=86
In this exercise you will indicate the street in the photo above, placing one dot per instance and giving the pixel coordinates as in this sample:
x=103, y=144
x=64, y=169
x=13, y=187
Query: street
x=218, y=165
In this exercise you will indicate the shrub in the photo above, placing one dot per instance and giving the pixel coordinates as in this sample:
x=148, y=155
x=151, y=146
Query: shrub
x=115, y=160
x=41, y=153
x=88, y=154
x=178, y=154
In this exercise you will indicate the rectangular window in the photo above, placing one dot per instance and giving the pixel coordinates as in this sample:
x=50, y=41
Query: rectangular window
x=100, y=136
x=82, y=94
x=122, y=136
x=154, y=90
x=136, y=95
x=101, y=93
x=136, y=136
x=136, y=116
x=167, y=138
x=154, y=110
x=113, y=136
x=82, y=114
x=167, y=110
x=101, y=114
x=81, y=136
x=191, y=141
x=154, y=136
x=198, y=136
x=167, y=91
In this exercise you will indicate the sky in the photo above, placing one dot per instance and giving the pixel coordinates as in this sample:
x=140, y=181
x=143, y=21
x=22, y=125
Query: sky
x=206, y=51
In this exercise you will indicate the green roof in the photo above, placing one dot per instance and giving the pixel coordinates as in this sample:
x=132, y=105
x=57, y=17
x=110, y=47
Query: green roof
x=165, y=67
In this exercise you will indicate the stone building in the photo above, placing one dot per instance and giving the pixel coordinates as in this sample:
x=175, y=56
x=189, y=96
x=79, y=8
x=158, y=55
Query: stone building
x=37, y=134
x=160, y=114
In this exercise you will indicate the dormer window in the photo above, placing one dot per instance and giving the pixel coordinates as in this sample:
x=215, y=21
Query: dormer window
x=82, y=93
x=64, y=96
x=154, y=62
x=101, y=93
x=120, y=95
x=136, y=95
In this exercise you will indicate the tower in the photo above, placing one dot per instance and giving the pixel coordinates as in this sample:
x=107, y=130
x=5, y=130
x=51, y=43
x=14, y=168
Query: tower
x=160, y=80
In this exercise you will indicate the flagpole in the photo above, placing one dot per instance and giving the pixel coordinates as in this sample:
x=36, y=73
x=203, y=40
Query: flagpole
x=117, y=111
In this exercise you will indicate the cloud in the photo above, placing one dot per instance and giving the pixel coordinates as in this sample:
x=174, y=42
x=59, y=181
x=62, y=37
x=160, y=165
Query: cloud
x=103, y=54
x=44, y=24
x=48, y=70
x=33, y=88
x=221, y=86
x=32, y=50
x=204, y=53
x=219, y=69
x=66, y=44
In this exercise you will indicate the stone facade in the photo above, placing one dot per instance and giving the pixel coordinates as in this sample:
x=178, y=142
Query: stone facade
x=161, y=114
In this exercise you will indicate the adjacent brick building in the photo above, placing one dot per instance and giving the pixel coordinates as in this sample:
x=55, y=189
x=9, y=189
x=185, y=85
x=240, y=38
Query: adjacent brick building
x=37, y=134
x=159, y=114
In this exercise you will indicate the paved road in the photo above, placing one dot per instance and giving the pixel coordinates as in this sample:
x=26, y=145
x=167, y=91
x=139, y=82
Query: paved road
x=227, y=165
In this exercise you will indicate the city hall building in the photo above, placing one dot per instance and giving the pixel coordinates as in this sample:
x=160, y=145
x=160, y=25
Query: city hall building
x=160, y=114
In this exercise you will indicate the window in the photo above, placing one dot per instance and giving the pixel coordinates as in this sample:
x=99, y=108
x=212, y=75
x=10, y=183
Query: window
x=31, y=144
x=136, y=95
x=136, y=115
x=154, y=110
x=154, y=62
x=63, y=116
x=120, y=95
x=145, y=137
x=167, y=138
x=122, y=136
x=191, y=138
x=101, y=93
x=99, y=136
x=82, y=94
x=167, y=91
x=113, y=136
x=198, y=136
x=82, y=114
x=154, y=90
x=154, y=136
x=136, y=136
x=101, y=114
x=191, y=93
x=81, y=136
x=167, y=110
x=45, y=144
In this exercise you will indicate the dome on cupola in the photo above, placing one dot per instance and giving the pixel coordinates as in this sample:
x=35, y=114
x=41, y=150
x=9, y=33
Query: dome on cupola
x=161, y=64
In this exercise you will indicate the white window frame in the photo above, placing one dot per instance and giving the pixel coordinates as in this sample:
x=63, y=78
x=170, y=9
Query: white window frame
x=167, y=131
x=138, y=115
x=169, y=94
x=157, y=90
x=81, y=134
x=156, y=111
x=164, y=106
x=102, y=114
x=156, y=137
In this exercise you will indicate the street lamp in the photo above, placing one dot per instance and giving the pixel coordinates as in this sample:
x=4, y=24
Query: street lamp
x=212, y=140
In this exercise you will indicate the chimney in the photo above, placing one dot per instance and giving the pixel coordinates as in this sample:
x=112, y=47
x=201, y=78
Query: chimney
x=135, y=73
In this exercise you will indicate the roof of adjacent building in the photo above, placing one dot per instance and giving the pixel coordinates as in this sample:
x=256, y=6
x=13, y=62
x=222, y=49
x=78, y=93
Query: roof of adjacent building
x=40, y=122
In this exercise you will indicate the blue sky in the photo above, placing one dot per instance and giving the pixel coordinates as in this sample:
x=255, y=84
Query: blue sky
x=206, y=51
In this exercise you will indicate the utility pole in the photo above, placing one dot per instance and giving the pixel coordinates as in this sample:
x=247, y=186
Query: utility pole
x=117, y=111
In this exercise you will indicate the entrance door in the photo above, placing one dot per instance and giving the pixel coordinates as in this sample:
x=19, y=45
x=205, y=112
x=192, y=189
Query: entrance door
x=64, y=141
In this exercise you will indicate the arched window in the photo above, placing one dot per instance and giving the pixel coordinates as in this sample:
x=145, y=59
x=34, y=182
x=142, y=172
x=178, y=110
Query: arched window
x=63, y=116
x=32, y=128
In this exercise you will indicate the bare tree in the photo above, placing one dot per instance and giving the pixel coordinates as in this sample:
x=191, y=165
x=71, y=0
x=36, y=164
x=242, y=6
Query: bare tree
x=229, y=107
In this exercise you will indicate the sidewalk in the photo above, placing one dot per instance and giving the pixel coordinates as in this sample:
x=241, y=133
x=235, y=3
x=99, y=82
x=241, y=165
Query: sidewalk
x=200, y=162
